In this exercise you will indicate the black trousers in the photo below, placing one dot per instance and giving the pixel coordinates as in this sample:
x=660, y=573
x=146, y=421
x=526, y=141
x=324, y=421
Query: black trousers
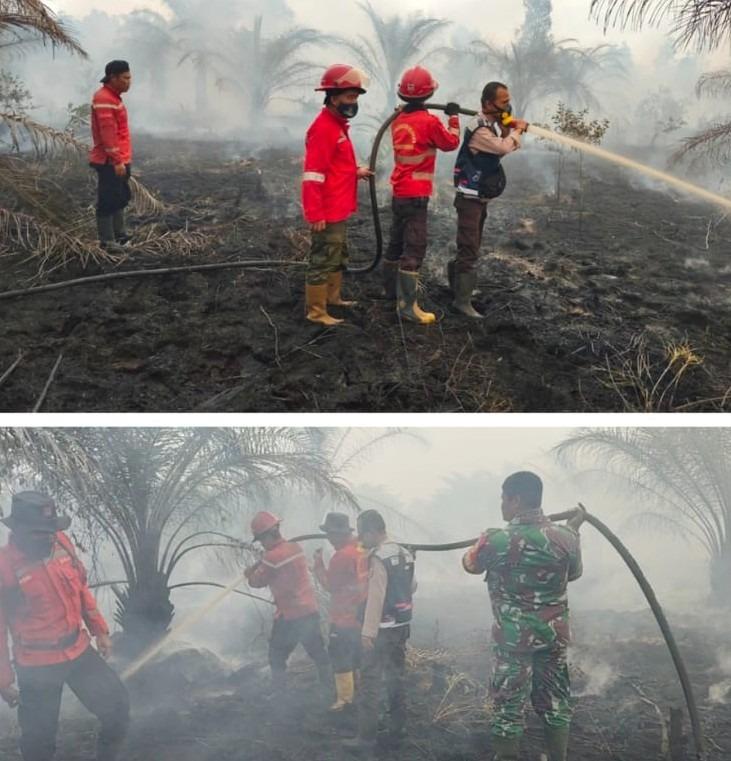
x=344, y=649
x=386, y=661
x=408, y=233
x=93, y=682
x=113, y=193
x=286, y=635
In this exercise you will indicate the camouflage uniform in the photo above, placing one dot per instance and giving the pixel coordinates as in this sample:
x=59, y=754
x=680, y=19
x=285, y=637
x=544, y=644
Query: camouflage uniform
x=527, y=567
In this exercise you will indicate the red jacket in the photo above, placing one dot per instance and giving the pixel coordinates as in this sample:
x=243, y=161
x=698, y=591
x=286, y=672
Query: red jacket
x=330, y=181
x=109, y=128
x=346, y=579
x=45, y=606
x=284, y=570
x=416, y=137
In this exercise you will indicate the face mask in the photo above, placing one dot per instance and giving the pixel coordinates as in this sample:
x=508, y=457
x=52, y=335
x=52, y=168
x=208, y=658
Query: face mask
x=348, y=110
x=36, y=547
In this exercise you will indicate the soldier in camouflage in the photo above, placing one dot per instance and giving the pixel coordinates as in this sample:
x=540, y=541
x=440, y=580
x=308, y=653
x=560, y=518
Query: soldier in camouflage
x=527, y=567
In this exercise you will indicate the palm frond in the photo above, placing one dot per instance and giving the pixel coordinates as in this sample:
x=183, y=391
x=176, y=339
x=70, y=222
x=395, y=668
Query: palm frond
x=36, y=16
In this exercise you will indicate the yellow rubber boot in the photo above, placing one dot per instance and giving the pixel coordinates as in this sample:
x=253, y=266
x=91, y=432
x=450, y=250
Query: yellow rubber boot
x=316, y=305
x=345, y=689
x=406, y=304
x=334, y=286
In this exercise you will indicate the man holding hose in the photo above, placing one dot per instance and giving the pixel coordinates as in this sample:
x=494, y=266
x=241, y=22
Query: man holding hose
x=527, y=567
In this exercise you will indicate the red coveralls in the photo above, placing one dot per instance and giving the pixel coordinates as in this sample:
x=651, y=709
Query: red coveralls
x=283, y=569
x=346, y=580
x=112, y=145
x=329, y=192
x=416, y=136
x=50, y=612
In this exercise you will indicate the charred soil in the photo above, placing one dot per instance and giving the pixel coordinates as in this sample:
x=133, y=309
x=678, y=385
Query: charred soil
x=611, y=299
x=622, y=678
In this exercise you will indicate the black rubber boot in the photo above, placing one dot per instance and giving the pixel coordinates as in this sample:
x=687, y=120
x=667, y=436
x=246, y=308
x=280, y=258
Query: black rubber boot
x=557, y=742
x=505, y=748
x=464, y=284
x=105, y=229
x=120, y=229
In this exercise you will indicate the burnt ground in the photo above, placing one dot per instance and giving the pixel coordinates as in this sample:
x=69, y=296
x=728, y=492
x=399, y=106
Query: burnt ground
x=624, y=306
x=621, y=672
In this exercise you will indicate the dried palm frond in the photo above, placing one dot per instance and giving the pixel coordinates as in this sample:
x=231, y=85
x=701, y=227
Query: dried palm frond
x=714, y=83
x=44, y=139
x=712, y=144
x=143, y=200
x=173, y=242
x=51, y=245
x=35, y=17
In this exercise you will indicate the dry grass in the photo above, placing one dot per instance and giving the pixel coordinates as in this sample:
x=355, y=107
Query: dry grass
x=647, y=379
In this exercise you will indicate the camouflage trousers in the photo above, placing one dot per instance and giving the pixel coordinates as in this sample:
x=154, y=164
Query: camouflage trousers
x=328, y=253
x=541, y=676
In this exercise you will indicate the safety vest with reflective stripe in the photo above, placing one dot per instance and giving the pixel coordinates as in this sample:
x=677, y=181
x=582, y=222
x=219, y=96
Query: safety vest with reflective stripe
x=416, y=136
x=45, y=606
x=283, y=569
x=109, y=129
x=329, y=180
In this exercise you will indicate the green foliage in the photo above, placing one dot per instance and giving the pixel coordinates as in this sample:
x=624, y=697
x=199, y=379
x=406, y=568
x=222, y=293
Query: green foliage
x=576, y=124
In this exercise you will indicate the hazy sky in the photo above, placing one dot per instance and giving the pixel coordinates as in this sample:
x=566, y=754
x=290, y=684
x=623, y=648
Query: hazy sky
x=570, y=17
x=413, y=470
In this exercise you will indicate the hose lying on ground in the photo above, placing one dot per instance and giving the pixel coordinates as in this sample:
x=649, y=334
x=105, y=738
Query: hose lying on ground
x=649, y=593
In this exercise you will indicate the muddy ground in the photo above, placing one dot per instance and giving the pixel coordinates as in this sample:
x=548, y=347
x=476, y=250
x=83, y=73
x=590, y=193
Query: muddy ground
x=621, y=672
x=622, y=306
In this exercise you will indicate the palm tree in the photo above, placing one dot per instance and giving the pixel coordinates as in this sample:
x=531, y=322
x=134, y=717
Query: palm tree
x=157, y=495
x=396, y=42
x=262, y=68
x=681, y=475
x=20, y=19
x=704, y=24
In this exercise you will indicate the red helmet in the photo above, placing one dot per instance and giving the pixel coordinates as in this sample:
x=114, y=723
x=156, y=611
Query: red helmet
x=262, y=522
x=417, y=83
x=341, y=76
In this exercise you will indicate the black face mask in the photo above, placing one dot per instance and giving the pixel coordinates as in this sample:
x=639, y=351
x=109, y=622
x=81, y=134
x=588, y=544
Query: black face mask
x=35, y=546
x=347, y=110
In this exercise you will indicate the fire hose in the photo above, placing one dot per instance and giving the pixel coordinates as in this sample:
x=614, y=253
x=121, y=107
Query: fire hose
x=372, y=164
x=641, y=579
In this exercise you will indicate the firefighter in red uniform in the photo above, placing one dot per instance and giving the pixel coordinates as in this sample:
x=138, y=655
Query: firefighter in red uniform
x=283, y=568
x=329, y=190
x=46, y=605
x=416, y=136
x=345, y=579
x=111, y=155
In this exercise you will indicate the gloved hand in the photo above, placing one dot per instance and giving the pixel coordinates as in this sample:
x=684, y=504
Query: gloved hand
x=452, y=109
x=10, y=695
x=575, y=522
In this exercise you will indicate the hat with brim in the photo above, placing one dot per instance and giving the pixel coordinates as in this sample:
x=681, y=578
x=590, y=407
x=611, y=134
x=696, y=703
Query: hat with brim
x=336, y=523
x=35, y=511
x=113, y=68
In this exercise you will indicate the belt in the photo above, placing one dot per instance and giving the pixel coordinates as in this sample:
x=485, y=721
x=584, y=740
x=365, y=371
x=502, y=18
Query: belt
x=60, y=644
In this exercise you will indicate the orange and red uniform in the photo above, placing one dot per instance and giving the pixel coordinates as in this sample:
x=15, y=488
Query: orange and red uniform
x=330, y=181
x=346, y=580
x=109, y=128
x=283, y=569
x=416, y=136
x=46, y=606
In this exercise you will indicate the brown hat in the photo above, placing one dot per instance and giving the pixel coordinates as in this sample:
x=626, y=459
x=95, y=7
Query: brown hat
x=35, y=511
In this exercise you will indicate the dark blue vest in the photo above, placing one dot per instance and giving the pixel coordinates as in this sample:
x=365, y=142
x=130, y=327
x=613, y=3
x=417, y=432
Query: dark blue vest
x=478, y=175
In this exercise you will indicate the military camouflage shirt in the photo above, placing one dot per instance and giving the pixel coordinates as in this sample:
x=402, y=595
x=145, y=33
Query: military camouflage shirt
x=527, y=567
